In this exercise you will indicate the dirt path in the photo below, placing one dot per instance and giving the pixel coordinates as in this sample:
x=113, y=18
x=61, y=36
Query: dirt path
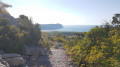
x=58, y=58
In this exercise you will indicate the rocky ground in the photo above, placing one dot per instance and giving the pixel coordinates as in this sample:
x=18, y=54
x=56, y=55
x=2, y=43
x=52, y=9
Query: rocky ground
x=58, y=58
x=55, y=58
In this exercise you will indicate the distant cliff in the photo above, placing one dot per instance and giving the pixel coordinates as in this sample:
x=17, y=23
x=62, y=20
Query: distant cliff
x=50, y=26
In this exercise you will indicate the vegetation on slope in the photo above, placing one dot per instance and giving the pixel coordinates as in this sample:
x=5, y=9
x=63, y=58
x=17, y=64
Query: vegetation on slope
x=12, y=38
x=100, y=47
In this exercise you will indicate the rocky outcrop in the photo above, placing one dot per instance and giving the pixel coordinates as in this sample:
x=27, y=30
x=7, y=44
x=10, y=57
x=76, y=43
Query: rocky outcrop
x=13, y=59
x=33, y=50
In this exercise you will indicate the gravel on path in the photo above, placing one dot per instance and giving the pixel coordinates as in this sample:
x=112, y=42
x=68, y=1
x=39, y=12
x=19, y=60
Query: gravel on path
x=58, y=58
x=55, y=58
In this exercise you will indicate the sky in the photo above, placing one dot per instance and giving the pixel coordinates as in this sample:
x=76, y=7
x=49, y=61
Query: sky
x=66, y=12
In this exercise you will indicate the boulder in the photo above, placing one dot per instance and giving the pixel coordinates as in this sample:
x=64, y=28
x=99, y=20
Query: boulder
x=33, y=50
x=10, y=55
x=13, y=59
x=3, y=63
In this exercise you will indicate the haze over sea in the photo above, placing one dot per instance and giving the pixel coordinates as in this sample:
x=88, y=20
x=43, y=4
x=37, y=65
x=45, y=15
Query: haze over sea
x=73, y=28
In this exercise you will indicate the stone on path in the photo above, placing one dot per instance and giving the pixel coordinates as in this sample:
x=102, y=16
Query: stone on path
x=58, y=58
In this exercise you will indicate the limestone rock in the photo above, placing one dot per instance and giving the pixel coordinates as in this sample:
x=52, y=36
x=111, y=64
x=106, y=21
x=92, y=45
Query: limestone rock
x=13, y=59
x=35, y=50
x=3, y=63
x=4, y=56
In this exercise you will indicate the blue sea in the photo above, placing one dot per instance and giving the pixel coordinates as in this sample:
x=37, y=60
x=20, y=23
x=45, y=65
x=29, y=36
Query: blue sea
x=73, y=28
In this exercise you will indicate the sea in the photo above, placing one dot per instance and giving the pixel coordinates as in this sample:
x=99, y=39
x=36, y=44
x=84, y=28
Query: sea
x=73, y=28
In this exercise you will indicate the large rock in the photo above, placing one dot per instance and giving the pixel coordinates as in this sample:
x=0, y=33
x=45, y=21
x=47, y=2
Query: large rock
x=13, y=59
x=33, y=50
x=3, y=63
x=10, y=55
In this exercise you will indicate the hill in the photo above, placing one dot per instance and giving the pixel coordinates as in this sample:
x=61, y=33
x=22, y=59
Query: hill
x=50, y=26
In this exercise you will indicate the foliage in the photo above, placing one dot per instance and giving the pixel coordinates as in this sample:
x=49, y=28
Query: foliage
x=45, y=43
x=11, y=38
x=100, y=47
x=3, y=7
x=34, y=32
x=116, y=19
